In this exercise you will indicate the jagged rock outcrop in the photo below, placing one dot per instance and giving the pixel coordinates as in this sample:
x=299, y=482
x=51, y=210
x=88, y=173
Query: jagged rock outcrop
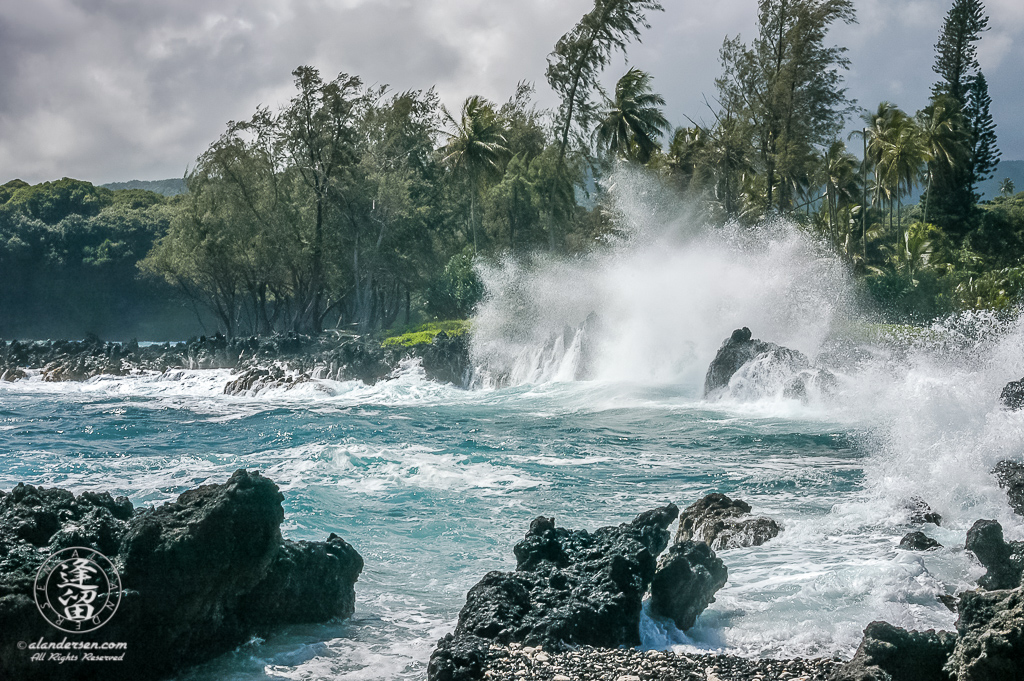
x=1004, y=560
x=446, y=359
x=918, y=541
x=724, y=523
x=750, y=367
x=1012, y=395
x=990, y=637
x=570, y=587
x=252, y=381
x=198, y=576
x=919, y=512
x=688, y=576
x=889, y=653
x=1010, y=475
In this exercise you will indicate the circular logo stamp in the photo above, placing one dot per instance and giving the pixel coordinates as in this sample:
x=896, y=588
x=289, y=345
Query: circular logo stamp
x=77, y=589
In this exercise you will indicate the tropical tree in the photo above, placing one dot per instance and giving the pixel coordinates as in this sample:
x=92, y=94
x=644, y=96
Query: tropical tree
x=1006, y=187
x=837, y=172
x=632, y=122
x=940, y=127
x=788, y=86
x=902, y=153
x=476, y=149
x=580, y=56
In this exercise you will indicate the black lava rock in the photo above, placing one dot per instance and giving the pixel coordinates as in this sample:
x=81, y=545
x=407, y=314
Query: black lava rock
x=1012, y=396
x=889, y=653
x=739, y=349
x=721, y=522
x=918, y=541
x=198, y=576
x=1003, y=560
x=570, y=587
x=990, y=642
x=1011, y=478
x=919, y=512
x=688, y=576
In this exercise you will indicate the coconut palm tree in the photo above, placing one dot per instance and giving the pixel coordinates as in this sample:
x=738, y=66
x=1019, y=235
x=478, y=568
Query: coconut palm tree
x=898, y=150
x=1006, y=187
x=837, y=171
x=632, y=122
x=476, y=148
x=940, y=127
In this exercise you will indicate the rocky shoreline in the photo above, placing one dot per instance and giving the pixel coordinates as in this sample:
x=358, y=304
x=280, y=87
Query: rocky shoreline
x=259, y=362
x=515, y=662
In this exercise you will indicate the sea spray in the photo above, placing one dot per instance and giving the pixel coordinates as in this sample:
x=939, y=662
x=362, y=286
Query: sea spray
x=665, y=293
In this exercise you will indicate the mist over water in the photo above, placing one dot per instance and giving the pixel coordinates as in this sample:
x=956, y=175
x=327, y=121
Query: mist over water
x=434, y=485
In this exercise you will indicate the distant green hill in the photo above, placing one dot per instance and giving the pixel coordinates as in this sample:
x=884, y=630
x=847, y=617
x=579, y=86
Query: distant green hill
x=171, y=187
x=989, y=189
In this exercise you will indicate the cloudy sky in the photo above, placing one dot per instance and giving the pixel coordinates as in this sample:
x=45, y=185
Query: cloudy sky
x=109, y=90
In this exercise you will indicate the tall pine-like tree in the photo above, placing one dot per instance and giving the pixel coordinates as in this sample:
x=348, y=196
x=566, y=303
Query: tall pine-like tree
x=984, y=152
x=951, y=196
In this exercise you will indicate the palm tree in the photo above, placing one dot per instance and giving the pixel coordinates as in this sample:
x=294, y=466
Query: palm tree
x=898, y=151
x=475, y=149
x=940, y=129
x=837, y=171
x=1006, y=187
x=632, y=122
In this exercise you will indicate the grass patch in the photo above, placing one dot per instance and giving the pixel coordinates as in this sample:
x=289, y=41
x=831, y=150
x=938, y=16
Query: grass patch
x=424, y=334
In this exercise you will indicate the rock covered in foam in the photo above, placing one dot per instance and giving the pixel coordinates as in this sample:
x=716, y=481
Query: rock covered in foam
x=1012, y=395
x=1010, y=475
x=723, y=523
x=919, y=512
x=889, y=653
x=688, y=576
x=748, y=366
x=570, y=587
x=199, y=576
x=1003, y=560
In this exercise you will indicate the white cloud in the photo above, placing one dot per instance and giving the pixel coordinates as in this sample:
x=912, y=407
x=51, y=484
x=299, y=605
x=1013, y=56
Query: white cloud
x=111, y=90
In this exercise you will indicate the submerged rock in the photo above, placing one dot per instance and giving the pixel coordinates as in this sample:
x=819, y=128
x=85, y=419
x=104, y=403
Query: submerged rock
x=688, y=576
x=1011, y=478
x=198, y=576
x=1012, y=396
x=990, y=642
x=918, y=541
x=1004, y=560
x=721, y=523
x=570, y=587
x=889, y=653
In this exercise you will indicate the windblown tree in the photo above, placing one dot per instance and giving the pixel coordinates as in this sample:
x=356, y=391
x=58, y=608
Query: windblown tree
x=632, y=122
x=476, y=150
x=941, y=127
x=838, y=174
x=580, y=56
x=901, y=154
x=788, y=88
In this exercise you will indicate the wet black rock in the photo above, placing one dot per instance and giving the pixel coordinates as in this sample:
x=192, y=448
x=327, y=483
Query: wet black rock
x=1004, y=560
x=723, y=523
x=1012, y=395
x=990, y=643
x=1011, y=478
x=199, y=576
x=252, y=381
x=446, y=359
x=919, y=512
x=739, y=349
x=570, y=587
x=688, y=576
x=889, y=653
x=918, y=541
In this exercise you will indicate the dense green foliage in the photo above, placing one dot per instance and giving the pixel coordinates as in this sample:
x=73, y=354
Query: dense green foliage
x=68, y=254
x=359, y=208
